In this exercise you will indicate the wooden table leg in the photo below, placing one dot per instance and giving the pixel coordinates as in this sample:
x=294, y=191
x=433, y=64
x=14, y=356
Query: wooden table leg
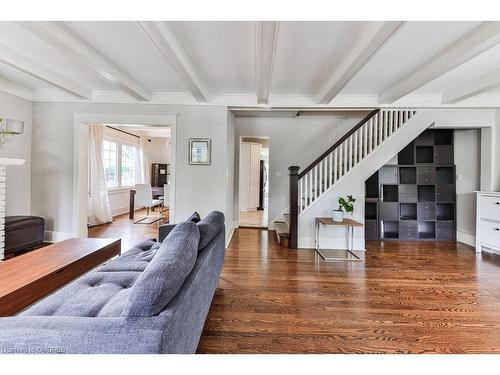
x=131, y=205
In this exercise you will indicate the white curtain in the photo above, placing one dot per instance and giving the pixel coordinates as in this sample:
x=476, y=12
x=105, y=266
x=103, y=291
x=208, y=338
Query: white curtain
x=100, y=210
x=144, y=160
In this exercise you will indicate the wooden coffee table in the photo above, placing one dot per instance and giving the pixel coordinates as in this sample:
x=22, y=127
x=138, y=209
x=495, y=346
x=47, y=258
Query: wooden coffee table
x=27, y=278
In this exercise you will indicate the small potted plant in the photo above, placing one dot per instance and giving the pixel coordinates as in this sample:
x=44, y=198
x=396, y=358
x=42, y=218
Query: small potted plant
x=345, y=205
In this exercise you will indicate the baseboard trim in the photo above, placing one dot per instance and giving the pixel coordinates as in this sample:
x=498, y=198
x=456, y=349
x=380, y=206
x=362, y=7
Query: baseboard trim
x=229, y=234
x=466, y=238
x=52, y=237
x=119, y=211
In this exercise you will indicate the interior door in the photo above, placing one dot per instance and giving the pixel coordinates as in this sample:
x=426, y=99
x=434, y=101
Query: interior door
x=254, y=175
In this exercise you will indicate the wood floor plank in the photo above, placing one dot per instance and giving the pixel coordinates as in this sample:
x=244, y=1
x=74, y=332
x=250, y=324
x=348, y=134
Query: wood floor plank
x=405, y=297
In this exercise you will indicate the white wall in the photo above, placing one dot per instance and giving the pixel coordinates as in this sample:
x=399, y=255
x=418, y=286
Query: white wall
x=18, y=194
x=231, y=219
x=467, y=151
x=292, y=141
x=159, y=150
x=198, y=188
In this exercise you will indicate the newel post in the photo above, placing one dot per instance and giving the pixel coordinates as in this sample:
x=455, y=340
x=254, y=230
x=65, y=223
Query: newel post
x=293, y=196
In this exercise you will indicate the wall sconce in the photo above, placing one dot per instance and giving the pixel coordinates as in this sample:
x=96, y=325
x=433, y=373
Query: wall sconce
x=9, y=127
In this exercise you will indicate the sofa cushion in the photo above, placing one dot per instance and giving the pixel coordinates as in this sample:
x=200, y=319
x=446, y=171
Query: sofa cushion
x=209, y=227
x=97, y=294
x=136, y=259
x=165, y=274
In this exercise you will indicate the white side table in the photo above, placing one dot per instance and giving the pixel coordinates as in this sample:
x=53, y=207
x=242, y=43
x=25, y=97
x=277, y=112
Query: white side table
x=349, y=224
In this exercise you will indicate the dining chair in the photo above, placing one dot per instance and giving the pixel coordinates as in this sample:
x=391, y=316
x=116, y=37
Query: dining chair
x=144, y=198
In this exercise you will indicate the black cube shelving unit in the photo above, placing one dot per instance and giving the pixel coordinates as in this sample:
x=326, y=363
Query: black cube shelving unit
x=421, y=185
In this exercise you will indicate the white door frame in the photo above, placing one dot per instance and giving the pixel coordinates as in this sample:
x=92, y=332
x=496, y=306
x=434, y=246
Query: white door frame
x=81, y=153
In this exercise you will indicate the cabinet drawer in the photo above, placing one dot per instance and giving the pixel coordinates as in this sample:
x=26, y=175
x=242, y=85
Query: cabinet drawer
x=443, y=154
x=407, y=193
x=408, y=229
x=490, y=233
x=445, y=193
x=388, y=175
x=389, y=211
x=426, y=175
x=407, y=235
x=426, y=211
x=490, y=207
x=445, y=230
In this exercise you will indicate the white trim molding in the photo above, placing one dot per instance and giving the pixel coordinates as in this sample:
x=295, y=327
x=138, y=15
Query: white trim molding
x=266, y=39
x=53, y=236
x=62, y=38
x=479, y=40
x=163, y=36
x=375, y=36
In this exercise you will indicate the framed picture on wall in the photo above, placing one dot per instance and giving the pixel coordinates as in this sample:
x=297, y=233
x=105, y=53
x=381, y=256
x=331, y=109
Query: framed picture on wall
x=200, y=151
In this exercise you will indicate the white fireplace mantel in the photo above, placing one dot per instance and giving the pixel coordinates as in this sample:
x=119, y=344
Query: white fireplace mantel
x=4, y=163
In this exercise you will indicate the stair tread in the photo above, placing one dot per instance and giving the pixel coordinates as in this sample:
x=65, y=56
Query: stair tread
x=281, y=229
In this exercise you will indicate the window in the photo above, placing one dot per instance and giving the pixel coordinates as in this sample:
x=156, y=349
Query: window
x=119, y=163
x=128, y=165
x=110, y=163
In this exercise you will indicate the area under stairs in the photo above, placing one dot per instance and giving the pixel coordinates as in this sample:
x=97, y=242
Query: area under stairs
x=365, y=148
x=281, y=228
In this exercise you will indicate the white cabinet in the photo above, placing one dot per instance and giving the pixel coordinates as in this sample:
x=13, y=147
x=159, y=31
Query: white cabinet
x=249, y=175
x=488, y=221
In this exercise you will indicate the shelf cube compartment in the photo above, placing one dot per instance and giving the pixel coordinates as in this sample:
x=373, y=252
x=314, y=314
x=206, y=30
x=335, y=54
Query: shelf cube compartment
x=408, y=211
x=407, y=175
x=426, y=193
x=390, y=229
x=370, y=210
x=425, y=154
x=426, y=229
x=390, y=193
x=372, y=186
x=444, y=175
x=445, y=211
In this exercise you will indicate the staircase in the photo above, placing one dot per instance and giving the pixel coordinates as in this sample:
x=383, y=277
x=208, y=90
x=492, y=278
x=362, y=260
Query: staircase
x=338, y=162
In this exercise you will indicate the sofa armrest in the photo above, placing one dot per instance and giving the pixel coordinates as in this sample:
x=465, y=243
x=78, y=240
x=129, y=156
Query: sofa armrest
x=164, y=230
x=67, y=334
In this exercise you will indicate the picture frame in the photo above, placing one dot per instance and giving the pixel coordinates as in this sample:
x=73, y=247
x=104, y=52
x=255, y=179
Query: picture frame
x=200, y=151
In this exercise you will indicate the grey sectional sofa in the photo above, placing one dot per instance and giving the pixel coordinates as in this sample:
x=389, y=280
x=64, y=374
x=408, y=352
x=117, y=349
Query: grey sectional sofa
x=152, y=299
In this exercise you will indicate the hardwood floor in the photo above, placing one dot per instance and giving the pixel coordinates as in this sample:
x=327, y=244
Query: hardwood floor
x=124, y=228
x=405, y=297
x=256, y=218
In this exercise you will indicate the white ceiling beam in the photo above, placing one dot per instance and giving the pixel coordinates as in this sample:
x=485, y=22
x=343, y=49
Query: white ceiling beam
x=20, y=63
x=373, y=39
x=168, y=44
x=62, y=38
x=266, y=38
x=479, y=40
x=477, y=86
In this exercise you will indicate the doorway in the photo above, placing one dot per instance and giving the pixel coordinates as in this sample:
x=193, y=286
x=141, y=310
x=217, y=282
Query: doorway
x=81, y=171
x=254, y=182
x=132, y=154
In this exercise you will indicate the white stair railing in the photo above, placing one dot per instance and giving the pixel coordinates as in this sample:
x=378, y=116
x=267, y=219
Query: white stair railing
x=317, y=179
